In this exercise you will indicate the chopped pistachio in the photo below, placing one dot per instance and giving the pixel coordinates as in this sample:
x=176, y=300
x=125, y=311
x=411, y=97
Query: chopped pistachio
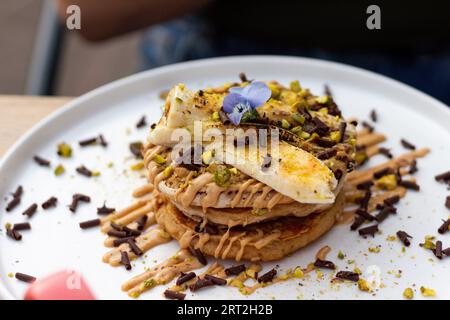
x=149, y=283
x=297, y=130
x=59, y=170
x=335, y=136
x=313, y=136
x=388, y=182
x=135, y=294
x=215, y=116
x=168, y=172
x=137, y=166
x=295, y=86
x=357, y=270
x=374, y=249
x=391, y=238
x=234, y=171
x=8, y=225
x=64, y=150
x=222, y=176
x=322, y=99
x=304, y=135
x=319, y=274
x=363, y=285
x=323, y=111
x=360, y=157
x=408, y=293
x=96, y=173
x=159, y=159
x=298, y=118
x=110, y=164
x=285, y=124
x=237, y=283
x=298, y=273
x=11, y=275
x=427, y=292
x=251, y=273
x=208, y=156
x=275, y=90
x=341, y=255
x=284, y=276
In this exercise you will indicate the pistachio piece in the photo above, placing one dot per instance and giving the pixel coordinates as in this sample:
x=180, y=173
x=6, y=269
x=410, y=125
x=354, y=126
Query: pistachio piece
x=298, y=118
x=222, y=176
x=64, y=150
x=408, y=293
x=388, y=182
x=427, y=292
x=159, y=159
x=215, y=116
x=285, y=124
x=168, y=172
x=59, y=170
x=295, y=86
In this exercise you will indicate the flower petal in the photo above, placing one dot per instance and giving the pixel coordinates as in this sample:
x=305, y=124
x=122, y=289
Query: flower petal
x=235, y=117
x=231, y=100
x=238, y=90
x=257, y=93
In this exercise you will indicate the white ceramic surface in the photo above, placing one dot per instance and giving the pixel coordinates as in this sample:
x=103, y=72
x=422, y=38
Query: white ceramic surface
x=56, y=242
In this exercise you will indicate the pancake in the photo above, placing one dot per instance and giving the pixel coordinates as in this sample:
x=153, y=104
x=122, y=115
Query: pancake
x=263, y=241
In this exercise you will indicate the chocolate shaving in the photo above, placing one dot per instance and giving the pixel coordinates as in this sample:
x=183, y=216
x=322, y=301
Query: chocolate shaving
x=105, y=210
x=384, y=213
x=169, y=294
x=88, y=142
x=370, y=230
x=41, y=161
x=243, y=77
x=320, y=127
x=131, y=232
x=446, y=251
x=359, y=220
x=217, y=281
x=444, y=227
x=438, y=250
x=323, y=142
x=22, y=226
x=13, y=234
x=404, y=237
x=142, y=122
x=136, y=148
x=383, y=172
x=342, y=128
x=199, y=255
x=268, y=276
x=391, y=200
x=185, y=277
x=76, y=198
x=84, y=171
x=373, y=116
x=409, y=185
x=134, y=247
x=25, y=277
x=348, y=275
x=368, y=126
x=141, y=222
x=407, y=144
x=201, y=283
x=443, y=176
x=235, y=270
x=364, y=185
x=125, y=260
x=31, y=210
x=386, y=152
x=49, y=203
x=327, y=154
x=90, y=224
x=117, y=234
x=363, y=213
x=324, y=264
x=119, y=241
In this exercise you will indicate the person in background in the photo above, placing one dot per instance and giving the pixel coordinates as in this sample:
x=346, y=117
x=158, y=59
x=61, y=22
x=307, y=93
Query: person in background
x=413, y=44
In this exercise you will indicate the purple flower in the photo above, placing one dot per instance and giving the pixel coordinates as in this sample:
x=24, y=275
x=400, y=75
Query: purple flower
x=245, y=99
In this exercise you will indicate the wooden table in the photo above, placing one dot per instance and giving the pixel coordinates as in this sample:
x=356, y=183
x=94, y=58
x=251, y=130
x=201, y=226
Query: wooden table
x=20, y=113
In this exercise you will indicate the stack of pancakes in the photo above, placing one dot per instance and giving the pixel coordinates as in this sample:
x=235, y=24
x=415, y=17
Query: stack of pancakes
x=253, y=209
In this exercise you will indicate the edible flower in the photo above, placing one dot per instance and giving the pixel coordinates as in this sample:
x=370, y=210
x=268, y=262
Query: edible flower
x=242, y=100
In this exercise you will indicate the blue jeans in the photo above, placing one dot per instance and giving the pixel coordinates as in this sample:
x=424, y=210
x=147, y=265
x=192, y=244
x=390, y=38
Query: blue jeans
x=191, y=38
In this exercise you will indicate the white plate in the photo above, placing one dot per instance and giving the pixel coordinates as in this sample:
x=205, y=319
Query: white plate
x=56, y=241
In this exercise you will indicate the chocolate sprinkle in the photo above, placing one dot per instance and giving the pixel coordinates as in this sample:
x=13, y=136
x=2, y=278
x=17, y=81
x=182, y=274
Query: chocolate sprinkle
x=359, y=220
x=131, y=232
x=383, y=172
x=102, y=141
x=235, y=270
x=185, y=277
x=443, y=176
x=141, y=123
x=438, y=250
x=18, y=193
x=327, y=154
x=324, y=264
x=409, y=185
x=137, y=251
x=141, y=222
x=25, y=277
x=364, y=185
x=76, y=198
x=31, y=210
x=41, y=161
x=90, y=224
x=370, y=230
x=217, y=281
x=268, y=276
x=363, y=213
x=342, y=127
x=348, y=275
x=368, y=126
x=201, y=283
x=169, y=294
x=199, y=255
x=13, y=234
x=444, y=227
x=117, y=234
x=12, y=204
x=88, y=142
x=447, y=202
x=373, y=116
x=446, y=251
x=413, y=167
x=125, y=260
x=84, y=171
x=22, y=226
x=364, y=202
x=392, y=200
x=49, y=203
x=243, y=77
x=407, y=144
x=404, y=237
x=384, y=213
x=386, y=152
x=136, y=148
x=105, y=210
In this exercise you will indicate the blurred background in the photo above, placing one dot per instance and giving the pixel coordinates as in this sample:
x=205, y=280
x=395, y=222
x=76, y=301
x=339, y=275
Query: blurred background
x=40, y=56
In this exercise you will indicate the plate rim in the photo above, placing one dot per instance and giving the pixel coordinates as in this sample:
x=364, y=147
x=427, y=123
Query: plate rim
x=240, y=59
